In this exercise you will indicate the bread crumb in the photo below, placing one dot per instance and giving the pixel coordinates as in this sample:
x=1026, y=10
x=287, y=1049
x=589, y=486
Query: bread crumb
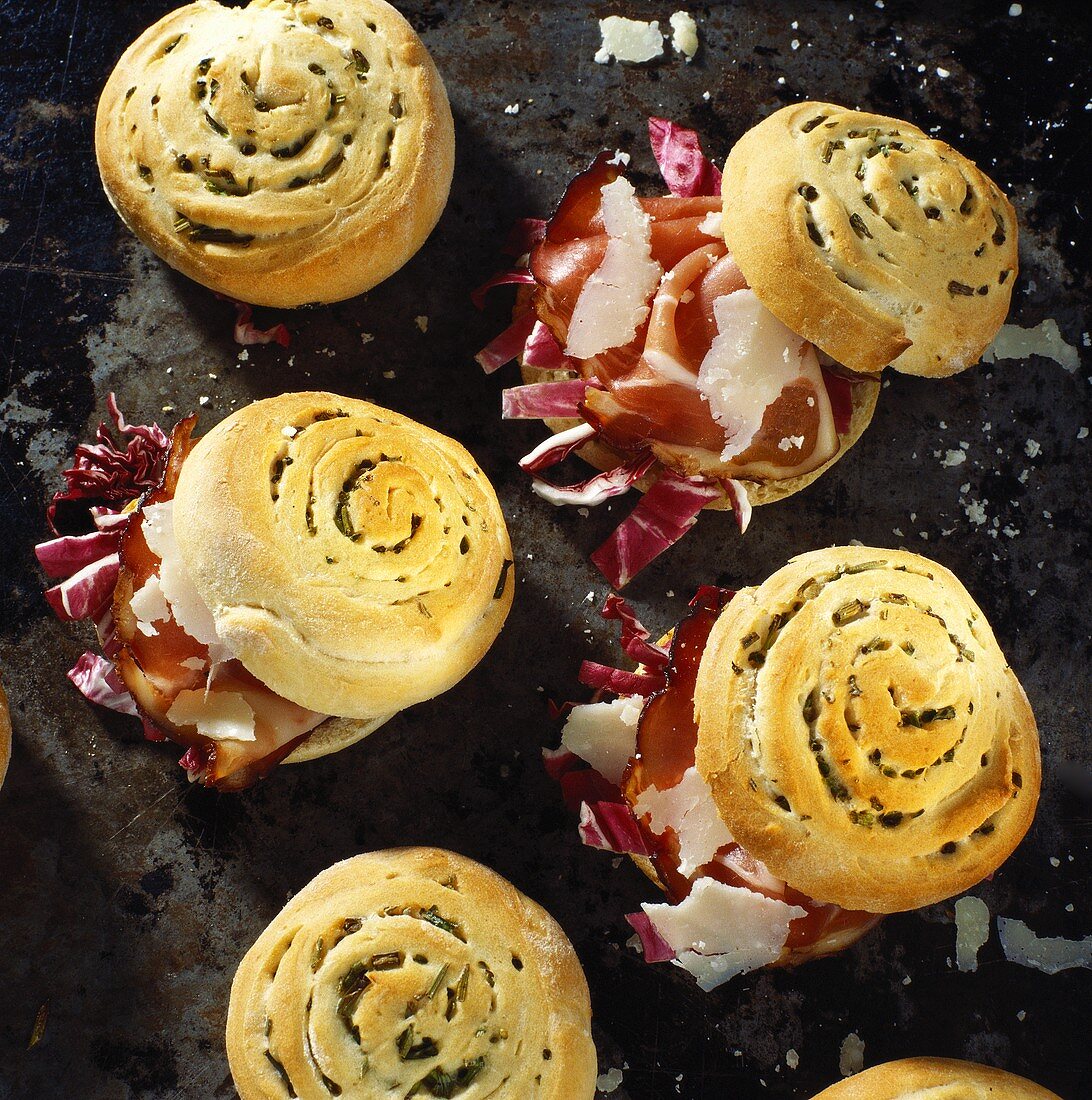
x=1016, y=9
x=609, y=1081
x=629, y=40
x=684, y=38
x=366, y=337
x=792, y=1059
x=512, y=109
x=1031, y=448
x=954, y=458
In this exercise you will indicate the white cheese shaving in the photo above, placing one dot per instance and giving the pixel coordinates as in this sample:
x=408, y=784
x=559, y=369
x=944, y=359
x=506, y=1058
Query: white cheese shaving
x=1050, y=954
x=221, y=715
x=614, y=302
x=1045, y=339
x=149, y=606
x=629, y=40
x=972, y=917
x=851, y=1055
x=684, y=36
x=188, y=608
x=687, y=808
x=752, y=358
x=712, y=225
x=604, y=734
x=719, y=931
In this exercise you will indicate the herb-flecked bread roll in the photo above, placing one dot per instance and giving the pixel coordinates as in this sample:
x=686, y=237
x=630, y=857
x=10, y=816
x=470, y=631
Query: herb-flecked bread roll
x=282, y=153
x=411, y=972
x=353, y=560
x=935, y=1079
x=862, y=733
x=879, y=244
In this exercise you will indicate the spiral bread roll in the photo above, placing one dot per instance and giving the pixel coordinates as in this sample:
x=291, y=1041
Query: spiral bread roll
x=354, y=560
x=862, y=733
x=411, y=972
x=282, y=153
x=935, y=1079
x=869, y=238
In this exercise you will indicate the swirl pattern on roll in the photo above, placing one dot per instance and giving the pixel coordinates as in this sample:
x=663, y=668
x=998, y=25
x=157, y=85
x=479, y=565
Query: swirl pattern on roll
x=283, y=152
x=909, y=246
x=412, y=972
x=860, y=728
x=354, y=560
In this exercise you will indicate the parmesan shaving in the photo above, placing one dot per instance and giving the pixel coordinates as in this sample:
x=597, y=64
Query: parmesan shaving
x=149, y=606
x=751, y=360
x=614, y=302
x=712, y=225
x=720, y=931
x=972, y=931
x=1045, y=339
x=604, y=734
x=1050, y=954
x=629, y=40
x=684, y=38
x=220, y=715
x=687, y=808
x=177, y=585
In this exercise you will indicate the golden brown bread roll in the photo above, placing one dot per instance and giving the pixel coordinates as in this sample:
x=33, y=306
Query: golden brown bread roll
x=281, y=153
x=862, y=733
x=934, y=1079
x=353, y=560
x=412, y=971
x=876, y=242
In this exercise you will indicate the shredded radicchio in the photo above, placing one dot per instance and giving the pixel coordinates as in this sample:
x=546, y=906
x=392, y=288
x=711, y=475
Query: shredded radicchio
x=505, y=347
x=540, y=400
x=613, y=827
x=542, y=350
x=246, y=332
x=654, y=947
x=518, y=277
x=87, y=566
x=663, y=515
x=619, y=680
x=114, y=469
x=596, y=489
x=634, y=634
x=685, y=169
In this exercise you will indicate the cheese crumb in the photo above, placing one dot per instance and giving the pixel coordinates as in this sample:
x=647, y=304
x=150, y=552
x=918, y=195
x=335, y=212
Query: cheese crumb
x=629, y=40
x=954, y=458
x=288, y=431
x=609, y=1081
x=792, y=1059
x=972, y=931
x=684, y=39
x=851, y=1055
x=1050, y=954
x=1032, y=448
x=1016, y=9
x=1045, y=339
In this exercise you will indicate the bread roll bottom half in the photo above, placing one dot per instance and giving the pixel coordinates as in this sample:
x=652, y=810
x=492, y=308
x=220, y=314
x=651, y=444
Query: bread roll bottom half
x=411, y=972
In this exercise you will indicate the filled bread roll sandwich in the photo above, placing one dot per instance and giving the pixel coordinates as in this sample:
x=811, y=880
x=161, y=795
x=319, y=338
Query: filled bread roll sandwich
x=721, y=346
x=411, y=972
x=280, y=587
x=282, y=153
x=915, y=1078
x=842, y=741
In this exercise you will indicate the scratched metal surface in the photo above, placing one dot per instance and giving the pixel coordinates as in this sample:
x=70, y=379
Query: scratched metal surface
x=127, y=897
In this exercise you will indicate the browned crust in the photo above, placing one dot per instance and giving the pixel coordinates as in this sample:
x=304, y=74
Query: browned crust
x=538, y=985
x=334, y=258
x=906, y=1077
x=798, y=745
x=881, y=298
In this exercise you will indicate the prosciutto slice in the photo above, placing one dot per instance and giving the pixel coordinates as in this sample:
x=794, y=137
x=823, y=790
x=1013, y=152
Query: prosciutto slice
x=655, y=393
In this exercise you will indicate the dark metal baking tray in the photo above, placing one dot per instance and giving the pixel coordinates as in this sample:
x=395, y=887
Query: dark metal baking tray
x=127, y=896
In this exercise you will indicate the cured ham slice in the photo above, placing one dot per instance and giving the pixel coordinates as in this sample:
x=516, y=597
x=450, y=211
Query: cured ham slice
x=710, y=382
